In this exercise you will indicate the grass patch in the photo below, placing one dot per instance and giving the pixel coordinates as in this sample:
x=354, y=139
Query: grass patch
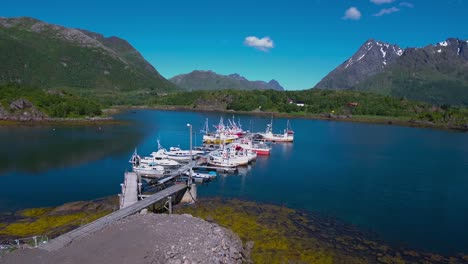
x=41, y=225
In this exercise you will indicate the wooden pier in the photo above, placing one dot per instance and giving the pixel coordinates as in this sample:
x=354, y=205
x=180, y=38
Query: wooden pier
x=63, y=240
x=129, y=194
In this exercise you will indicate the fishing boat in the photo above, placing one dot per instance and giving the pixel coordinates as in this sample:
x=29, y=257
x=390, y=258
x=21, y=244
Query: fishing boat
x=235, y=128
x=149, y=169
x=220, y=136
x=228, y=158
x=287, y=136
x=259, y=147
x=244, y=150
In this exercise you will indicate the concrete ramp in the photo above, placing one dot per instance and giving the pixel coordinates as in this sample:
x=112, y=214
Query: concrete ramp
x=63, y=240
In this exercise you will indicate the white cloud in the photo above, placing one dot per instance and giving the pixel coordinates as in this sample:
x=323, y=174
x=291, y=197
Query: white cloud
x=379, y=2
x=406, y=4
x=386, y=11
x=263, y=44
x=352, y=13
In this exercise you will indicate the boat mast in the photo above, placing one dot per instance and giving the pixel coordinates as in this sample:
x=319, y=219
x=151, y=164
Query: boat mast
x=205, y=127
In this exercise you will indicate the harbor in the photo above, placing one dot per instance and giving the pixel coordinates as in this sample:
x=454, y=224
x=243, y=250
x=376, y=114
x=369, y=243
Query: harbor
x=168, y=177
x=162, y=168
x=325, y=171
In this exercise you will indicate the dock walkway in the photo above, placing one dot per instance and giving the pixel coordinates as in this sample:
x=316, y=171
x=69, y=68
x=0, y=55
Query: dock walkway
x=129, y=190
x=63, y=240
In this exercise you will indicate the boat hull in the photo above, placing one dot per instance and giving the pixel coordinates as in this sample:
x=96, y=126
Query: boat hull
x=263, y=152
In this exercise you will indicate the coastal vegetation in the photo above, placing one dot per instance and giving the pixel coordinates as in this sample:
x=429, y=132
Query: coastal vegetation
x=52, y=221
x=53, y=103
x=283, y=235
x=312, y=102
x=270, y=233
x=50, y=56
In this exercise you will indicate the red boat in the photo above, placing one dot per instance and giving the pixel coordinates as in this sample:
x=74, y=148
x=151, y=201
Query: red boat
x=261, y=148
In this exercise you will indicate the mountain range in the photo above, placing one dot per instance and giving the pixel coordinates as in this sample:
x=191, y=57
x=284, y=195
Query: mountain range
x=36, y=53
x=110, y=69
x=436, y=73
x=209, y=80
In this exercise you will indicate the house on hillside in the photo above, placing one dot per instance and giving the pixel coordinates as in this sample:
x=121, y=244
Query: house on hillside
x=298, y=103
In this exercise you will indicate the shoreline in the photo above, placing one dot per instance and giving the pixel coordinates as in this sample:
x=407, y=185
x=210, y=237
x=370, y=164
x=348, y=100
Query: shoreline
x=380, y=120
x=63, y=121
x=109, y=120
x=315, y=235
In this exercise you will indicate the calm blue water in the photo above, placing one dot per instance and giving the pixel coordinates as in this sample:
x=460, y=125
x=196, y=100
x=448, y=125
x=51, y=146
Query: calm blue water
x=408, y=185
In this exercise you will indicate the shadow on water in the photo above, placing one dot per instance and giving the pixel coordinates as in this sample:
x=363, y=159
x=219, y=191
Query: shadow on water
x=39, y=148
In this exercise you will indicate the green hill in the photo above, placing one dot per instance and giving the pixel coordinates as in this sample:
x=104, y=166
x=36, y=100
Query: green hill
x=50, y=56
x=343, y=104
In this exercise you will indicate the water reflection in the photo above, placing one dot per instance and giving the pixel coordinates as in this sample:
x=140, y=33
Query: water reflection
x=36, y=149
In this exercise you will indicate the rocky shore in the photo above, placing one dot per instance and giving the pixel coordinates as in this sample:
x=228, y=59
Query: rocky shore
x=146, y=238
x=22, y=111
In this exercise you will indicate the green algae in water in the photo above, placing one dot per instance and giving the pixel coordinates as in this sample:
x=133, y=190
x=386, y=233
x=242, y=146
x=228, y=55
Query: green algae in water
x=284, y=235
x=54, y=221
x=35, y=212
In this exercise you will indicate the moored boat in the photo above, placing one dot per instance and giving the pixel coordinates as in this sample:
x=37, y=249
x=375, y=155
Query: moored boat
x=227, y=158
x=149, y=169
x=287, y=136
x=176, y=153
x=261, y=148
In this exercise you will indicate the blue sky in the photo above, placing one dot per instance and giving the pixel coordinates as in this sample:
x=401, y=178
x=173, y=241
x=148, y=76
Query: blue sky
x=306, y=39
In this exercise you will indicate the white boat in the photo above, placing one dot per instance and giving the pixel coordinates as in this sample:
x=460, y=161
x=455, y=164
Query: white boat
x=228, y=158
x=175, y=153
x=149, y=169
x=161, y=158
x=160, y=161
x=287, y=136
x=202, y=175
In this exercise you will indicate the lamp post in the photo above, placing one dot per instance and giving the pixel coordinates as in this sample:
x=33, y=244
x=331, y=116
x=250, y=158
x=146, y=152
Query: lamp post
x=191, y=157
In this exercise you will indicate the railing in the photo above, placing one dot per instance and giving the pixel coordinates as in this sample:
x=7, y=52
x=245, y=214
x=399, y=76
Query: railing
x=35, y=241
x=20, y=243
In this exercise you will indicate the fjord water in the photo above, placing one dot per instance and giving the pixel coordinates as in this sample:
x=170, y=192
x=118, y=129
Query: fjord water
x=408, y=185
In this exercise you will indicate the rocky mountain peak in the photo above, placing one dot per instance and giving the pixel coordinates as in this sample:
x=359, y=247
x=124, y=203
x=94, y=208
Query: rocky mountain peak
x=371, y=58
x=450, y=47
x=436, y=73
x=383, y=52
x=209, y=80
x=236, y=76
